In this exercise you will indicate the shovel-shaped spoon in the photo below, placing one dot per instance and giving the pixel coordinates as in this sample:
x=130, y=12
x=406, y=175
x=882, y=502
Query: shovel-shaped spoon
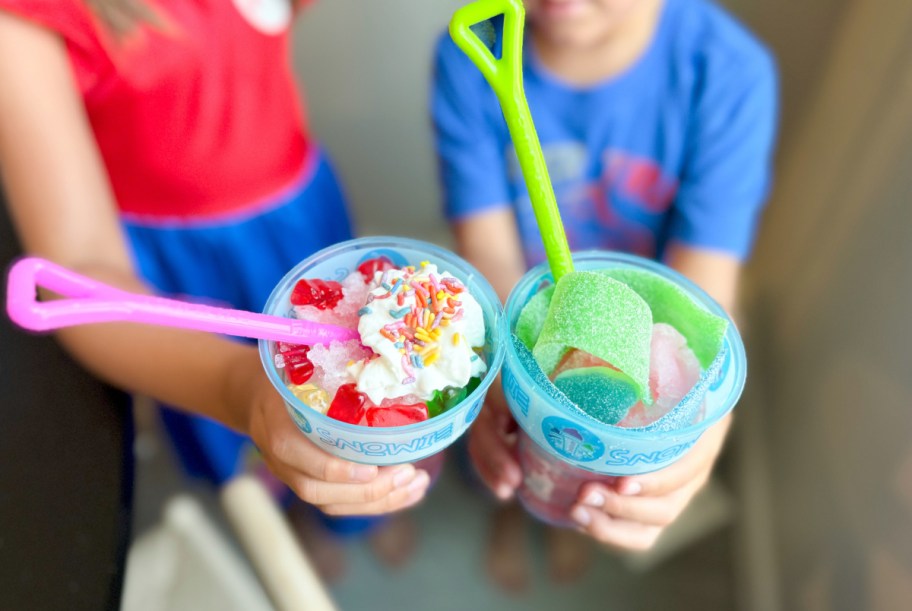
x=589, y=311
x=87, y=301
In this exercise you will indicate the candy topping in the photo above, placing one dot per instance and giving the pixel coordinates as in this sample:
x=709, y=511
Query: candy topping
x=409, y=326
x=322, y=294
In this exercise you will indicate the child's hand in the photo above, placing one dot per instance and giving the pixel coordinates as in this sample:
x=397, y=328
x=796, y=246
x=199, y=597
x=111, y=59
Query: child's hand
x=336, y=486
x=632, y=513
x=492, y=445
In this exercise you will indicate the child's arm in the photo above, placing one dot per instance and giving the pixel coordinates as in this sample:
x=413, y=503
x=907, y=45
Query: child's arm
x=490, y=241
x=715, y=272
x=724, y=185
x=63, y=209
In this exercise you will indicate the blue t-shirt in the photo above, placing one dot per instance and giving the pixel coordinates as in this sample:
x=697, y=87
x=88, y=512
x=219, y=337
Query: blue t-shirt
x=677, y=147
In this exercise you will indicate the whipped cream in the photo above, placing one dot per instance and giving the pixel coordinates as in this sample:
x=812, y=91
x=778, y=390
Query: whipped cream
x=423, y=326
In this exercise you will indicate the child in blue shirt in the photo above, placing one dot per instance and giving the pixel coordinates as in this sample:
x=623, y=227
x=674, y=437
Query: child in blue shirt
x=657, y=119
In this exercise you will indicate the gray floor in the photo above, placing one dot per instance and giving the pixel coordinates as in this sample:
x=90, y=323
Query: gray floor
x=447, y=572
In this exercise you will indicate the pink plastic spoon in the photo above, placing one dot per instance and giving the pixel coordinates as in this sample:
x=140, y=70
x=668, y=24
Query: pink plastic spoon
x=89, y=301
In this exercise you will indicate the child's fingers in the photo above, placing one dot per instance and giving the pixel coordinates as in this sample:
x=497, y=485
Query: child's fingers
x=398, y=499
x=320, y=493
x=695, y=465
x=621, y=534
x=646, y=510
x=665, y=481
x=494, y=459
x=287, y=446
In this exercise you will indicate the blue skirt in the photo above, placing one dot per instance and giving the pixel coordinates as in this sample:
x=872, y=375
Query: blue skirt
x=236, y=261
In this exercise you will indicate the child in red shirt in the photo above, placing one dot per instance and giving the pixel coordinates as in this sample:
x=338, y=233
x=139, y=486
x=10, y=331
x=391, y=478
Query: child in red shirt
x=160, y=145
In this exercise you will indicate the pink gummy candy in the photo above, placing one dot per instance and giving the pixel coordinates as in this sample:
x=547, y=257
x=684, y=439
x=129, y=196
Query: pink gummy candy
x=673, y=372
x=397, y=415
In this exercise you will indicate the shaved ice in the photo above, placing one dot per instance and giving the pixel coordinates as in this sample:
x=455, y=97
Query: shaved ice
x=419, y=353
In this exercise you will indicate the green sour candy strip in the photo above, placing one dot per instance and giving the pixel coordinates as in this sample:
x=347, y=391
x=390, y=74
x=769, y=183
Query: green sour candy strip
x=670, y=304
x=603, y=317
x=533, y=315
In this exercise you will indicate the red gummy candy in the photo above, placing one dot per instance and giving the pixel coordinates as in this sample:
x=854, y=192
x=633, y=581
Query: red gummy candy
x=298, y=367
x=372, y=266
x=322, y=294
x=397, y=415
x=348, y=405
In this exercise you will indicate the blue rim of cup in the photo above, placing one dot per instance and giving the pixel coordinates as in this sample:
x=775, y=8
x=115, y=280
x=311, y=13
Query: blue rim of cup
x=532, y=282
x=445, y=261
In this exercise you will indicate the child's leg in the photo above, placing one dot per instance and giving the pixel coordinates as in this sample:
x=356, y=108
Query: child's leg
x=206, y=449
x=508, y=548
x=394, y=541
x=570, y=554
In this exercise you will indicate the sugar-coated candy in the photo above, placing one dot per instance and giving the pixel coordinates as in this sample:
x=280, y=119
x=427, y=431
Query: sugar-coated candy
x=397, y=415
x=321, y=294
x=348, y=405
x=541, y=380
x=532, y=317
x=602, y=392
x=370, y=267
x=298, y=367
x=669, y=303
x=603, y=317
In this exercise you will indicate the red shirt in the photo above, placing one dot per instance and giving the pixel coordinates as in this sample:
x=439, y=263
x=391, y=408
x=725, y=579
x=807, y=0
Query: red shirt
x=195, y=115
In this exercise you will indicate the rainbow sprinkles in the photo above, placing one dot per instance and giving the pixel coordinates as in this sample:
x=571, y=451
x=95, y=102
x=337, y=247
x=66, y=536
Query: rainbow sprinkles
x=424, y=327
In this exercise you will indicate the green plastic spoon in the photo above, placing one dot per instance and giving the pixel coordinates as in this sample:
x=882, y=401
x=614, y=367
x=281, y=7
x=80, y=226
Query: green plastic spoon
x=506, y=79
x=588, y=311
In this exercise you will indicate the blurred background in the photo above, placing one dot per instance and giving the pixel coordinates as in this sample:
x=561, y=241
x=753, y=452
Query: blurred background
x=812, y=507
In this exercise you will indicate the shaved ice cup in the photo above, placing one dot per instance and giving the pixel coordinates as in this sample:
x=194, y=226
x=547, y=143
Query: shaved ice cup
x=560, y=448
x=387, y=445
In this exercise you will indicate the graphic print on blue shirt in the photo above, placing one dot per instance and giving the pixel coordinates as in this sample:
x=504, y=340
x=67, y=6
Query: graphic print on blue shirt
x=620, y=204
x=676, y=147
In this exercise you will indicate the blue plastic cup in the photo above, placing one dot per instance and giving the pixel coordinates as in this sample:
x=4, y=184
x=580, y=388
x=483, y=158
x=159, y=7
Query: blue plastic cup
x=560, y=449
x=387, y=445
